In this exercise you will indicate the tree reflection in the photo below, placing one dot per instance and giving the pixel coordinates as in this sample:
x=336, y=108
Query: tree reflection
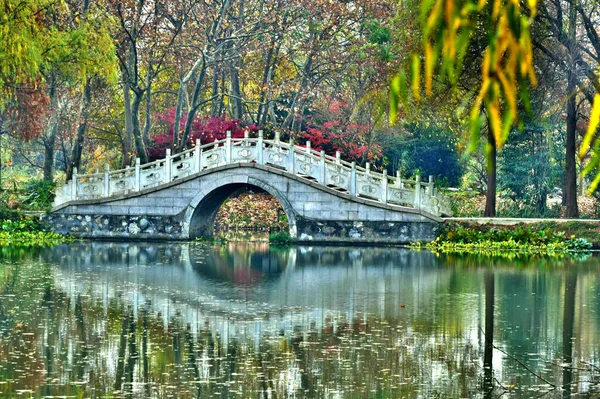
x=333, y=321
x=488, y=383
x=567, y=335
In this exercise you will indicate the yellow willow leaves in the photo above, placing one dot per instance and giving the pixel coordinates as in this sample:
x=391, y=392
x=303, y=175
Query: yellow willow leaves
x=587, y=141
x=506, y=66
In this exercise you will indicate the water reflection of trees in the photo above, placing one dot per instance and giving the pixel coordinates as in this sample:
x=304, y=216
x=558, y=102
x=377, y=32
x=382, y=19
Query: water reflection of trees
x=76, y=343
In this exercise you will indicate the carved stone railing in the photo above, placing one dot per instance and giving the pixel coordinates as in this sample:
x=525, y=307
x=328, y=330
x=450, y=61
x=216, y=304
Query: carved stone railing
x=329, y=171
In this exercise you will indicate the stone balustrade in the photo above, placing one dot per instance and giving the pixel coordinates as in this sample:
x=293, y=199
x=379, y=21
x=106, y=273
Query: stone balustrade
x=329, y=171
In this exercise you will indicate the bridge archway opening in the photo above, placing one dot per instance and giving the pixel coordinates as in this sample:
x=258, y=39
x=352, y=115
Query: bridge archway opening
x=210, y=212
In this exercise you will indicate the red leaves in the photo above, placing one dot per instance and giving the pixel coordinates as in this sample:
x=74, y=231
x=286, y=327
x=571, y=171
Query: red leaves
x=28, y=113
x=353, y=141
x=207, y=129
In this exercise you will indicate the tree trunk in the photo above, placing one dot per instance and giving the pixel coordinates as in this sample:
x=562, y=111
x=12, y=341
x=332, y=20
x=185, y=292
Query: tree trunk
x=222, y=96
x=306, y=72
x=178, y=112
x=572, y=210
x=51, y=133
x=81, y=129
x=127, y=140
x=137, y=131
x=570, y=168
x=490, y=195
x=194, y=108
x=148, y=121
x=237, y=110
x=260, y=119
x=215, y=91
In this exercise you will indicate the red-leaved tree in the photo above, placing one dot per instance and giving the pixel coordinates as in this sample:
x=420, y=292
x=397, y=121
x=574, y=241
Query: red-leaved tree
x=207, y=129
x=353, y=141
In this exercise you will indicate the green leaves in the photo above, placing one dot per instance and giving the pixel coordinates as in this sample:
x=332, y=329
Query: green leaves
x=398, y=93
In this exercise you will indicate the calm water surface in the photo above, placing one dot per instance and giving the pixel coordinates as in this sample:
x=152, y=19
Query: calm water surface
x=244, y=321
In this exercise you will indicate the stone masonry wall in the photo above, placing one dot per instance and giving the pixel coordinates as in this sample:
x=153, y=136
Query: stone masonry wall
x=131, y=227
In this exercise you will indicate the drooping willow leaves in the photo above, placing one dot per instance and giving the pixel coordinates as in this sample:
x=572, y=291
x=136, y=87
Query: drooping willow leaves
x=507, y=60
x=594, y=163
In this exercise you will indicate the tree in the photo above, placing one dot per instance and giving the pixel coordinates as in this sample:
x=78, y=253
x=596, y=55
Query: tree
x=431, y=150
x=508, y=65
x=144, y=41
x=44, y=42
x=50, y=48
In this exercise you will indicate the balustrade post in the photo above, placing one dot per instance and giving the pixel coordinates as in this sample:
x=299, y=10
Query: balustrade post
x=417, y=203
x=338, y=159
x=74, y=185
x=259, y=147
x=127, y=168
x=136, y=183
x=197, y=157
x=228, y=147
x=322, y=168
x=106, y=180
x=352, y=188
x=292, y=157
x=399, y=179
x=168, y=166
x=431, y=187
x=277, y=137
x=308, y=147
x=384, y=186
x=368, y=167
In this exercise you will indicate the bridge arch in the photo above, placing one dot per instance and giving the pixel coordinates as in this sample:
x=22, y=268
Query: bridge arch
x=200, y=215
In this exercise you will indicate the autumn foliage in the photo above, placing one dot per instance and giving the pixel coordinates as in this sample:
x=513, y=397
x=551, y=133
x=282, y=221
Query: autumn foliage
x=207, y=129
x=353, y=141
x=27, y=113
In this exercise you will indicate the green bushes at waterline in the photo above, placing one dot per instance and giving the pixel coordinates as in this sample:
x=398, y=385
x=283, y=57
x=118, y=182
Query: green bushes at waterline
x=524, y=238
x=26, y=232
x=280, y=238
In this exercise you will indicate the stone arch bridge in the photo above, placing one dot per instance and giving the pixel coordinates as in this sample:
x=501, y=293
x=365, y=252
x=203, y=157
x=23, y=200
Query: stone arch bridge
x=178, y=197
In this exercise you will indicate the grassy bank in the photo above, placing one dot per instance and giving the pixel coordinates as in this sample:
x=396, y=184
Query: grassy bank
x=538, y=238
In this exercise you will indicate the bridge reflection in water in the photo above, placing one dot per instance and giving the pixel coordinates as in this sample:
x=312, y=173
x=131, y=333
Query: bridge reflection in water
x=273, y=289
x=245, y=320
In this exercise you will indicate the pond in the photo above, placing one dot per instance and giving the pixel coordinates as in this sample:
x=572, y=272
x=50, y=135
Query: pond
x=242, y=320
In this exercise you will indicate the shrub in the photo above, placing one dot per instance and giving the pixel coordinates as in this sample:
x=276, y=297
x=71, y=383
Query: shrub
x=280, y=238
x=39, y=194
x=578, y=244
x=9, y=214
